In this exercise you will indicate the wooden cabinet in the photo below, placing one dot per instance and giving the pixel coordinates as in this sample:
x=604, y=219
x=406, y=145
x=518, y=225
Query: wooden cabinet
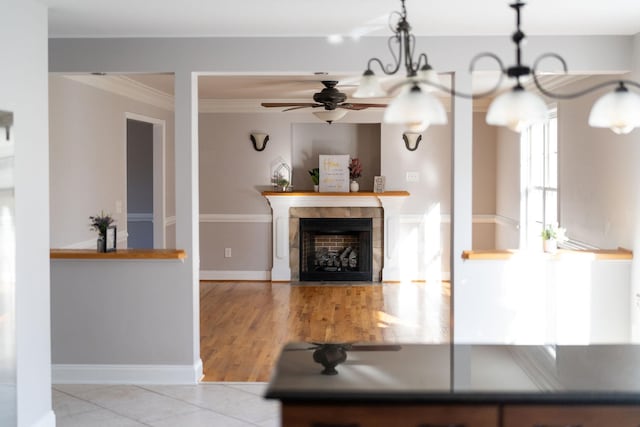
x=385, y=415
x=458, y=415
x=570, y=416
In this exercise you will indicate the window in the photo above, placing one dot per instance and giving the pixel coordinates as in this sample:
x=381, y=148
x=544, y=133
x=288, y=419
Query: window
x=539, y=178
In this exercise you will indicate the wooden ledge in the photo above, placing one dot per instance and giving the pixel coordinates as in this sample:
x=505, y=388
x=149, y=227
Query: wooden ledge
x=149, y=254
x=601, y=254
x=400, y=193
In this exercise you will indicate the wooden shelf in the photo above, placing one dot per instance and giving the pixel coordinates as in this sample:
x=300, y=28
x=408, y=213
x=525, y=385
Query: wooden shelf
x=149, y=254
x=400, y=193
x=601, y=254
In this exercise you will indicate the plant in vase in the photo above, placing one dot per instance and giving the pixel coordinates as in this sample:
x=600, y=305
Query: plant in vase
x=100, y=223
x=551, y=236
x=283, y=184
x=315, y=177
x=355, y=171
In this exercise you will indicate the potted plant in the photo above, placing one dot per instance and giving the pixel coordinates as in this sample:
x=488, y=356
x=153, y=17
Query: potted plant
x=282, y=183
x=551, y=236
x=315, y=177
x=100, y=223
x=355, y=171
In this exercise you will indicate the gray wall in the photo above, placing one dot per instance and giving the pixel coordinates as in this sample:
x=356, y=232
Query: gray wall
x=309, y=140
x=88, y=161
x=23, y=84
x=232, y=174
x=139, y=184
x=484, y=182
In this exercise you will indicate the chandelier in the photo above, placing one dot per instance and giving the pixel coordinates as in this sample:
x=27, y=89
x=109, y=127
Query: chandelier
x=416, y=107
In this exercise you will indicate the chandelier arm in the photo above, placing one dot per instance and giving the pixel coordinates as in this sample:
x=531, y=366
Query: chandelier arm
x=393, y=25
x=420, y=64
x=410, y=44
x=382, y=67
x=397, y=58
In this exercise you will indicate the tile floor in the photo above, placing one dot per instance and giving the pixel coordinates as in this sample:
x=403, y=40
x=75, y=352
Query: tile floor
x=206, y=404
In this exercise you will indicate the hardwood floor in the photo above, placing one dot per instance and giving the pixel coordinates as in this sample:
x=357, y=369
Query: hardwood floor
x=244, y=325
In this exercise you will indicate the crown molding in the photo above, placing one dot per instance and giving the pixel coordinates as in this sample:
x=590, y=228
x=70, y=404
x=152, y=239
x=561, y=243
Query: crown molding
x=124, y=86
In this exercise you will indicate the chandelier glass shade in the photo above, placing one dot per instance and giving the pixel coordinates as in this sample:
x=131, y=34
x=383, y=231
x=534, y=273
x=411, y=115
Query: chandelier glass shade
x=618, y=111
x=516, y=109
x=415, y=107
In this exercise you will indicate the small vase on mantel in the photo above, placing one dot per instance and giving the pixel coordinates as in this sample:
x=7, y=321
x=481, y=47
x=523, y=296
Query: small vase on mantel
x=102, y=243
x=354, y=186
x=550, y=246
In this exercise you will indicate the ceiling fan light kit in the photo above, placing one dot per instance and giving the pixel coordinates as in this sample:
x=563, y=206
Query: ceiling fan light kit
x=330, y=116
x=517, y=109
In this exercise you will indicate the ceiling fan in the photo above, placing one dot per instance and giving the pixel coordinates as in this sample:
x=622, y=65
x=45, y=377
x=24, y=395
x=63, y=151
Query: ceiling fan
x=330, y=98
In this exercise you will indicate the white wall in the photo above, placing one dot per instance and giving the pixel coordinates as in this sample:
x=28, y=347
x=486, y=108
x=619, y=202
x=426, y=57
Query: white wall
x=595, y=166
x=88, y=158
x=23, y=84
x=508, y=189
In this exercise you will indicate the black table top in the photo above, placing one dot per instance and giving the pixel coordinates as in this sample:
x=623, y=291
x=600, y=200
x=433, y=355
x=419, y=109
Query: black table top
x=444, y=373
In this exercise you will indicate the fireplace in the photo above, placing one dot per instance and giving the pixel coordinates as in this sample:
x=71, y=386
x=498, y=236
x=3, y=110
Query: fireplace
x=289, y=207
x=334, y=249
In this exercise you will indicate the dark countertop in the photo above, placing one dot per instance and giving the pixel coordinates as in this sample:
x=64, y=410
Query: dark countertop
x=473, y=374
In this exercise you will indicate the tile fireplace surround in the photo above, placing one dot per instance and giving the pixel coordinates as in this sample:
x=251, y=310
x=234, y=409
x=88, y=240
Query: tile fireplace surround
x=385, y=213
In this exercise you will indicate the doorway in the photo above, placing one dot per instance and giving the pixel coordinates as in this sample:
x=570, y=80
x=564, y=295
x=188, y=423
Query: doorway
x=145, y=182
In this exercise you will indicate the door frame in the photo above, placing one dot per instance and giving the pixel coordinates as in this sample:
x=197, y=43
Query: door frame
x=159, y=175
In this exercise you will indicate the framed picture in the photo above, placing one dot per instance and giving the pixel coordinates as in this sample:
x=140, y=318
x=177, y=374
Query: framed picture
x=334, y=173
x=111, y=238
x=378, y=184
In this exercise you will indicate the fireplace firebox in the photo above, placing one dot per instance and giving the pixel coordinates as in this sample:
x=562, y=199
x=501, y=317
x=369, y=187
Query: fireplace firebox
x=335, y=249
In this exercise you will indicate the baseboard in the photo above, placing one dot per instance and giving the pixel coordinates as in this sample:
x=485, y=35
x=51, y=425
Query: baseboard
x=266, y=275
x=235, y=275
x=126, y=374
x=47, y=420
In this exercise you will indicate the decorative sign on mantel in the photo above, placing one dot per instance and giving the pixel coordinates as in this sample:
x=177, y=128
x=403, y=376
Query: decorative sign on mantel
x=334, y=173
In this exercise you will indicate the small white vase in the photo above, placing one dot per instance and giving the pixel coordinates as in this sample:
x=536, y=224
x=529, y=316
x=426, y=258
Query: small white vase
x=550, y=246
x=316, y=187
x=354, y=186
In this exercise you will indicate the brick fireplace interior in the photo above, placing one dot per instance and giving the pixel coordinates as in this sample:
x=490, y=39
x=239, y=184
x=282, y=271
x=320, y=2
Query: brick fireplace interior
x=374, y=219
x=334, y=249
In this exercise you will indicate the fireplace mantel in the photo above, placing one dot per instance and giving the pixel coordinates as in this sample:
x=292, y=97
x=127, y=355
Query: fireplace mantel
x=281, y=202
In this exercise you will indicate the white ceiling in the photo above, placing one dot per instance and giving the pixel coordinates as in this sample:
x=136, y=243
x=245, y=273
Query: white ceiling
x=192, y=18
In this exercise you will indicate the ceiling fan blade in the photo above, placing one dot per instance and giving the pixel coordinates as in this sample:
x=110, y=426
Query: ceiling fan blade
x=304, y=106
x=287, y=104
x=359, y=106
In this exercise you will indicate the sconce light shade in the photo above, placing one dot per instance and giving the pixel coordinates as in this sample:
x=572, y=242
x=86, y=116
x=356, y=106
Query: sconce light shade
x=413, y=105
x=330, y=116
x=618, y=110
x=517, y=109
x=411, y=140
x=259, y=140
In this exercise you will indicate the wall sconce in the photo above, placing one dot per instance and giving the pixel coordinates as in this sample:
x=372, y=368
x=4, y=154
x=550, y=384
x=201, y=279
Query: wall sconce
x=411, y=140
x=259, y=140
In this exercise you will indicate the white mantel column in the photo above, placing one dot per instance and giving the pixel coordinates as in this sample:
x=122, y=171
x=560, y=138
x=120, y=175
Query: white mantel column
x=280, y=270
x=391, y=257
